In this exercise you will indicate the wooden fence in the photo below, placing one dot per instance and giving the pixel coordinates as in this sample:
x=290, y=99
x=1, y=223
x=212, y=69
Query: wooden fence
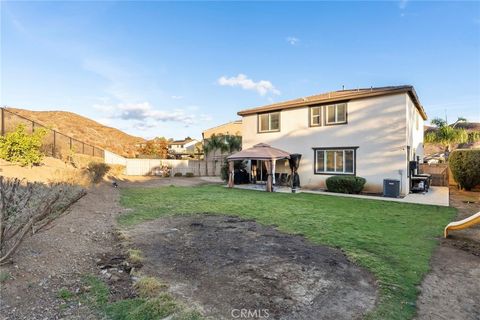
x=440, y=173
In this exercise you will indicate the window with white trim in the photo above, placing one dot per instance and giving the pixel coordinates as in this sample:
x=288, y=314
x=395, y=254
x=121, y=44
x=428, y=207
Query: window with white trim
x=335, y=161
x=316, y=116
x=336, y=113
x=268, y=122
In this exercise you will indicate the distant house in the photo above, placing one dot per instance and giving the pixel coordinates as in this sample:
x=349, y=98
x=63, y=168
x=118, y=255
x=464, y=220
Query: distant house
x=186, y=145
x=230, y=128
x=372, y=133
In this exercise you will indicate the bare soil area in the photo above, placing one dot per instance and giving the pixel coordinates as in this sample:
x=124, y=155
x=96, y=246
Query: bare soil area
x=43, y=173
x=223, y=264
x=451, y=290
x=59, y=257
x=155, y=182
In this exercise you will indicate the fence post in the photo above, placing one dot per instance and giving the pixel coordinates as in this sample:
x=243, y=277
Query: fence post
x=3, y=122
x=54, y=143
x=70, y=144
x=33, y=127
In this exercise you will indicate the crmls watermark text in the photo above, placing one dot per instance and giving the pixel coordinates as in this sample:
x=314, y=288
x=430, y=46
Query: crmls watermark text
x=250, y=313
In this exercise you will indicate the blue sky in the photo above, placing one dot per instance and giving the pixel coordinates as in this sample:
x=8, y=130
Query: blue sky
x=174, y=69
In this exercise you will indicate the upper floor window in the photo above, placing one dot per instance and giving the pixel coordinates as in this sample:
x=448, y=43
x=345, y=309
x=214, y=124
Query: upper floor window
x=336, y=113
x=316, y=116
x=268, y=122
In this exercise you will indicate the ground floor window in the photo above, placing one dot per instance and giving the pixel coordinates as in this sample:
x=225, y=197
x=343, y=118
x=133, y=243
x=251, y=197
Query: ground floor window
x=335, y=160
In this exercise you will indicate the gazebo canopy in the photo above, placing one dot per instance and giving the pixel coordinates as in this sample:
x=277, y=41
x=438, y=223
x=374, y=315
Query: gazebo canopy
x=260, y=151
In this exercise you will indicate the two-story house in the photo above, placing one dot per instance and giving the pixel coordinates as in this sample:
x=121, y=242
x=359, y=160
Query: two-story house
x=372, y=133
x=186, y=145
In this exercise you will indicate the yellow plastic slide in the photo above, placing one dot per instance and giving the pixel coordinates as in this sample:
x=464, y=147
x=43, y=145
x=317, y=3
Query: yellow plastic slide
x=462, y=224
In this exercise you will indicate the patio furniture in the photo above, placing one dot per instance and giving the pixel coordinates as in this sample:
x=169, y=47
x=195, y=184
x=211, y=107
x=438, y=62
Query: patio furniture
x=269, y=155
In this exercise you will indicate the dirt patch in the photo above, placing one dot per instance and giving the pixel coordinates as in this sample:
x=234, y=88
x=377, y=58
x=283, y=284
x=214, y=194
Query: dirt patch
x=155, y=182
x=42, y=173
x=222, y=264
x=450, y=290
x=58, y=257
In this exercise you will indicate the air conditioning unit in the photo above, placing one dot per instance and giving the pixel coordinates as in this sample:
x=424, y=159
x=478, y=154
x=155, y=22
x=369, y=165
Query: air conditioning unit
x=391, y=188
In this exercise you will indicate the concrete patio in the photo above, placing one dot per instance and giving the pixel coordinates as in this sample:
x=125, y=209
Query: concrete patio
x=438, y=196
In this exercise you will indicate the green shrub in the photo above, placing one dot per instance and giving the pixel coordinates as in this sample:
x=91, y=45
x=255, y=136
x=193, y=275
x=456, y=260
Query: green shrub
x=189, y=174
x=177, y=174
x=97, y=170
x=21, y=147
x=345, y=184
x=465, y=167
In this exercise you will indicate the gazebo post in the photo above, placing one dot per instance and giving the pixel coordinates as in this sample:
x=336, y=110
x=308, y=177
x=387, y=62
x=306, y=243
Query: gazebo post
x=268, y=166
x=230, y=173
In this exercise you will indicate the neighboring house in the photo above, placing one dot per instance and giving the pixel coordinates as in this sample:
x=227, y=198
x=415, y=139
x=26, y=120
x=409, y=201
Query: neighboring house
x=230, y=128
x=371, y=133
x=186, y=145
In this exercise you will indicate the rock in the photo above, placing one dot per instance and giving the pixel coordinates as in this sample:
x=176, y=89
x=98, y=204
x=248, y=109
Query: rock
x=72, y=230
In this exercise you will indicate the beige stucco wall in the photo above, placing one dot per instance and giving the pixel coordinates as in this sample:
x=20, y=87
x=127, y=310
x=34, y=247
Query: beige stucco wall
x=377, y=126
x=414, y=131
x=230, y=128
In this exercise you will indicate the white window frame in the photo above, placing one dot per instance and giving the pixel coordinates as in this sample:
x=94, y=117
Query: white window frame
x=320, y=117
x=269, y=122
x=335, y=106
x=335, y=150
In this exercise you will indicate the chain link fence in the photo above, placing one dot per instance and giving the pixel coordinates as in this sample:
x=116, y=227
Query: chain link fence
x=55, y=144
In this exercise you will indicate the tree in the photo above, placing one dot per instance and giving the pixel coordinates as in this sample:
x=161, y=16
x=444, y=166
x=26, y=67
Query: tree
x=198, y=149
x=21, y=147
x=212, y=145
x=234, y=143
x=222, y=143
x=446, y=135
x=157, y=147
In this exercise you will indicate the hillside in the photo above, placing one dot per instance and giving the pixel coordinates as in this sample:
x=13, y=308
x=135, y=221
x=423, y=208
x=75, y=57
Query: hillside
x=84, y=129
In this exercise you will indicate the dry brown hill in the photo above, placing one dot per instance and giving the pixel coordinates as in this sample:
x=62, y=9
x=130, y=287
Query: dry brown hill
x=84, y=129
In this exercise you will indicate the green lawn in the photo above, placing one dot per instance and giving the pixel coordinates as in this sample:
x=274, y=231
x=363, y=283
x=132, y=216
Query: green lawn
x=393, y=240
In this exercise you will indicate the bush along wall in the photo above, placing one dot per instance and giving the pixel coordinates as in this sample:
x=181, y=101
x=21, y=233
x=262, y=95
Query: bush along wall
x=345, y=184
x=465, y=167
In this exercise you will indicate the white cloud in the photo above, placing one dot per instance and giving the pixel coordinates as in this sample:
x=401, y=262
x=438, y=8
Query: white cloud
x=292, y=40
x=177, y=97
x=144, y=111
x=144, y=115
x=262, y=87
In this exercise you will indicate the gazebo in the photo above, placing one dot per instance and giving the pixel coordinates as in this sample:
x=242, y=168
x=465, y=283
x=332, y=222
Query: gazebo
x=269, y=155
